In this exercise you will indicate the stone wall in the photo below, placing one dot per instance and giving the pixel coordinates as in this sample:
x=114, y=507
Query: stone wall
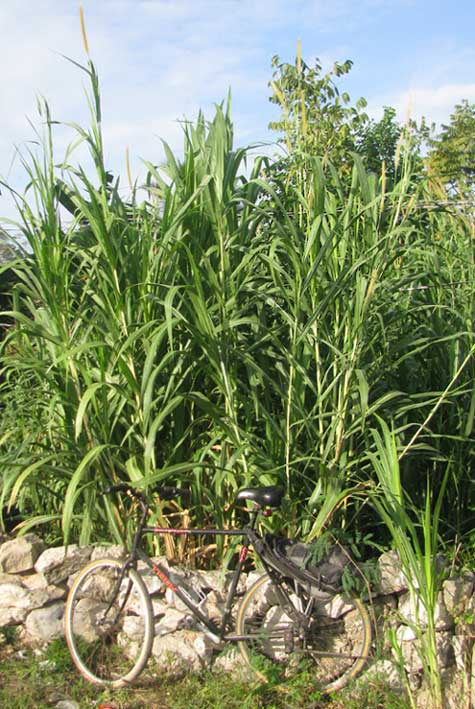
x=34, y=582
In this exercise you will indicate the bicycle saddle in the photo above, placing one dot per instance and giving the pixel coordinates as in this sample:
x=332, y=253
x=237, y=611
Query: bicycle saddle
x=270, y=496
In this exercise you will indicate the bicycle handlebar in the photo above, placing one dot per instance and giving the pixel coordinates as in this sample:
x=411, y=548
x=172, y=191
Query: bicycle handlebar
x=166, y=492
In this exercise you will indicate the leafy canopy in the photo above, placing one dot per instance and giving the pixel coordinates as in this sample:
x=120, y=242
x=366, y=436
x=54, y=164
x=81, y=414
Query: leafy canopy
x=452, y=155
x=316, y=117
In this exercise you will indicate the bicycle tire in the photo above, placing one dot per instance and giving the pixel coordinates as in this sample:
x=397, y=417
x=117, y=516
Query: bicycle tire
x=328, y=654
x=113, y=649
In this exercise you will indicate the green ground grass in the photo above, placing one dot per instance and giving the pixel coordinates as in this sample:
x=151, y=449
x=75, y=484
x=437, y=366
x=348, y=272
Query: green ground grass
x=42, y=680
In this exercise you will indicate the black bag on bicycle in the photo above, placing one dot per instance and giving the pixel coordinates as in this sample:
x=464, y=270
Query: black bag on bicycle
x=300, y=561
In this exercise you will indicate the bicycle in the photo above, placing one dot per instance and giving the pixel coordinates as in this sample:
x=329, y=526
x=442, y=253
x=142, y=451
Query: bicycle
x=282, y=624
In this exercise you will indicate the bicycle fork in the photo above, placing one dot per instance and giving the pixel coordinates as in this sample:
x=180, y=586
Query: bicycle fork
x=115, y=595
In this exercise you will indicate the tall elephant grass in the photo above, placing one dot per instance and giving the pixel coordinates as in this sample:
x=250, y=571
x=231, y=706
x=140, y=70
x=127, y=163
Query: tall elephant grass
x=126, y=324
x=415, y=534
x=216, y=330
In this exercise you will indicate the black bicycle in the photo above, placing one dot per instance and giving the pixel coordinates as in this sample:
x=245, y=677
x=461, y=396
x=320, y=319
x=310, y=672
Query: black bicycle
x=283, y=625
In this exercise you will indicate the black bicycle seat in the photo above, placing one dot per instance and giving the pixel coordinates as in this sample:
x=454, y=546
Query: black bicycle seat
x=270, y=496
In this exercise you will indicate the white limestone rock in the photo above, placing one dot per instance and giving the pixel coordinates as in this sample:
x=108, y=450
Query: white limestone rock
x=34, y=582
x=16, y=601
x=45, y=624
x=457, y=592
x=252, y=577
x=182, y=650
x=411, y=651
x=220, y=581
x=12, y=616
x=172, y=621
x=115, y=551
x=392, y=577
x=59, y=563
x=20, y=554
x=413, y=611
x=385, y=670
x=231, y=660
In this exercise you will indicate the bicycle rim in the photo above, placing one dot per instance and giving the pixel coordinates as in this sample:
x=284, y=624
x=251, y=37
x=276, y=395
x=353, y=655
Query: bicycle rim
x=109, y=625
x=324, y=656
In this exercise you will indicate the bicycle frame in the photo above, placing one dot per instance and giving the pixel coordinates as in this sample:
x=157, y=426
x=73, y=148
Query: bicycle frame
x=162, y=573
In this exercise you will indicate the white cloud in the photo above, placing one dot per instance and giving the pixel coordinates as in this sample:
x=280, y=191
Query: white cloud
x=440, y=76
x=161, y=60
x=436, y=104
x=157, y=61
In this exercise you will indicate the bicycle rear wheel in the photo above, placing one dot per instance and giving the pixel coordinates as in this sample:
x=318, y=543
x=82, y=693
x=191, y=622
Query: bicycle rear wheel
x=327, y=649
x=108, y=623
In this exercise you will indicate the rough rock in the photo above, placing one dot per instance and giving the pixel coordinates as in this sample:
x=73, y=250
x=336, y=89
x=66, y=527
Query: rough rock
x=9, y=578
x=252, y=577
x=457, y=592
x=87, y=613
x=16, y=601
x=171, y=621
x=33, y=598
x=190, y=584
x=231, y=660
x=410, y=649
x=219, y=580
x=413, y=611
x=445, y=650
x=185, y=649
x=387, y=671
x=454, y=687
x=59, y=563
x=115, y=551
x=404, y=633
x=45, y=624
x=392, y=577
x=215, y=603
x=20, y=554
x=12, y=615
x=336, y=607
x=34, y=582
x=462, y=648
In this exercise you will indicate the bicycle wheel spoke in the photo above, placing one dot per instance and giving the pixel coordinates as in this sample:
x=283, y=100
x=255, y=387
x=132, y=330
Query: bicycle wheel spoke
x=108, y=623
x=330, y=643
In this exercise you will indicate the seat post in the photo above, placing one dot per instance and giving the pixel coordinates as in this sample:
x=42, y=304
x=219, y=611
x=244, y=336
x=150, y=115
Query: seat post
x=254, y=516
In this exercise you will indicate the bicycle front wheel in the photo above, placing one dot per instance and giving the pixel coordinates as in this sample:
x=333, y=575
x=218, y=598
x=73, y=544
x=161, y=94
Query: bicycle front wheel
x=324, y=649
x=108, y=623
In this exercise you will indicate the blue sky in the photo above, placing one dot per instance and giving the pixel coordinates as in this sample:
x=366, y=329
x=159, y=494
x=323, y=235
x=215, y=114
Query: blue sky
x=161, y=60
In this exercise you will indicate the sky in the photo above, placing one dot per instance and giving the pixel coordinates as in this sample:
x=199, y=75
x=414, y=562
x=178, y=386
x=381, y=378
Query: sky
x=160, y=61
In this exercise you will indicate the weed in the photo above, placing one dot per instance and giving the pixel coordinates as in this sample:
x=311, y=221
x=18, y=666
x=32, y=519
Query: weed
x=374, y=695
x=8, y=635
x=42, y=681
